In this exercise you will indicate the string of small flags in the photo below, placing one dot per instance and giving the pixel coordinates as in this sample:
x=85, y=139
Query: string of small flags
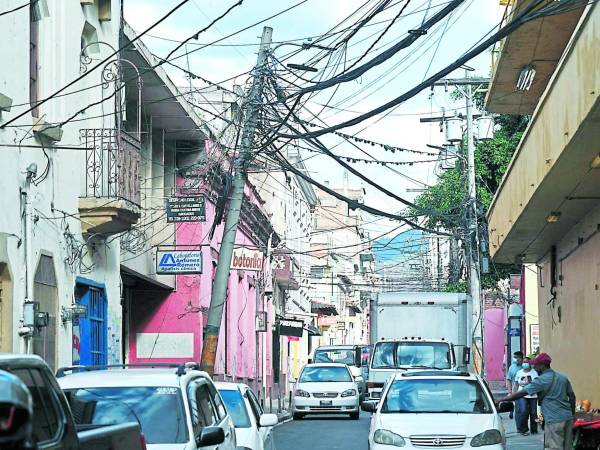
x=388, y=148
x=371, y=161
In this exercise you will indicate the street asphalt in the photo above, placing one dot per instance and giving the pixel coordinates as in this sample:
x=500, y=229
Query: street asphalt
x=340, y=433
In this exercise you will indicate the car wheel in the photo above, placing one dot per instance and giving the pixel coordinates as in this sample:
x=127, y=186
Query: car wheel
x=298, y=416
x=354, y=415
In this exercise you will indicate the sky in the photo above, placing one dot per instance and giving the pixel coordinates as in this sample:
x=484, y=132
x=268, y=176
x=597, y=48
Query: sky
x=311, y=19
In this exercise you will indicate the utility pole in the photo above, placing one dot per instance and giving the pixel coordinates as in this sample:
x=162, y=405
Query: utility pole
x=474, y=307
x=219, y=289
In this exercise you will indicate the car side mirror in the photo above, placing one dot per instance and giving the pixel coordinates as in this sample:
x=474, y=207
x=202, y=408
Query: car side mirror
x=505, y=407
x=210, y=436
x=369, y=406
x=269, y=420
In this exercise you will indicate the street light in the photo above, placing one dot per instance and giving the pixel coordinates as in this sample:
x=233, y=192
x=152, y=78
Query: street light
x=302, y=67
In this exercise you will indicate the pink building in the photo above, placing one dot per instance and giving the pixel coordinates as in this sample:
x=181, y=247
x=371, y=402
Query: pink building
x=168, y=326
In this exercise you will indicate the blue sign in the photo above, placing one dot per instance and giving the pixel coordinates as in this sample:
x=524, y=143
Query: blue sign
x=514, y=332
x=169, y=262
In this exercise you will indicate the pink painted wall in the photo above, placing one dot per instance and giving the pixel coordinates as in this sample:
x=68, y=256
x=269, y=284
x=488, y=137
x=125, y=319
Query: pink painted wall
x=179, y=311
x=494, y=344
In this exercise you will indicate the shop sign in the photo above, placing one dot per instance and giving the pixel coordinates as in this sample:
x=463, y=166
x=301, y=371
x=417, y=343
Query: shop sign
x=169, y=262
x=534, y=336
x=190, y=208
x=247, y=259
x=327, y=321
x=261, y=321
x=289, y=327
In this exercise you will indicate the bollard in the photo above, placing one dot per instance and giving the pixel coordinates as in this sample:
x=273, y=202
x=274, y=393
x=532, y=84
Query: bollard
x=270, y=400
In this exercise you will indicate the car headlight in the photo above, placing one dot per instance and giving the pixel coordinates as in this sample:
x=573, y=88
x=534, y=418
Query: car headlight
x=489, y=437
x=349, y=393
x=301, y=393
x=386, y=437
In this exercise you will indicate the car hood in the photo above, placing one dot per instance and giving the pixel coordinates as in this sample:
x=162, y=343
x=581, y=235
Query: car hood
x=188, y=446
x=245, y=437
x=326, y=387
x=437, y=424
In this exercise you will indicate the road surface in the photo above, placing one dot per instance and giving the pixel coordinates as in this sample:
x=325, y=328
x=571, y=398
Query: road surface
x=339, y=433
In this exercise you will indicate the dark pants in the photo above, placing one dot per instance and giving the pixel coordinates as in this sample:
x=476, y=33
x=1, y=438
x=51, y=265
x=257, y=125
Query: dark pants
x=526, y=411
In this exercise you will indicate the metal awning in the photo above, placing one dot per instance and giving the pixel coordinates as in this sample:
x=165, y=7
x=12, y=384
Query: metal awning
x=357, y=309
x=326, y=309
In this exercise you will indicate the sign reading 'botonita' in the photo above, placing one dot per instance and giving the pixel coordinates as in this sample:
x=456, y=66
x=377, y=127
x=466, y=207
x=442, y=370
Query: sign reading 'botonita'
x=247, y=259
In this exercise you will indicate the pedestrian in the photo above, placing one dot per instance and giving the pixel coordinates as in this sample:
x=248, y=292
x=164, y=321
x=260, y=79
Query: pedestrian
x=517, y=364
x=557, y=401
x=527, y=406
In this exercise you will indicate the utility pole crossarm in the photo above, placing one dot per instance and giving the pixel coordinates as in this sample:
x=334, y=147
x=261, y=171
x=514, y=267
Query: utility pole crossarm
x=462, y=81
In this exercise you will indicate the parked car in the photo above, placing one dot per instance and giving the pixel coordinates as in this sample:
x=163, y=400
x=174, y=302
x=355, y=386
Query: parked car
x=177, y=407
x=53, y=425
x=436, y=409
x=350, y=355
x=252, y=426
x=325, y=389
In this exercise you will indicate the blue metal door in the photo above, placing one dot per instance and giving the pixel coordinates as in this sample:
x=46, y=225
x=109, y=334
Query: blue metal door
x=93, y=327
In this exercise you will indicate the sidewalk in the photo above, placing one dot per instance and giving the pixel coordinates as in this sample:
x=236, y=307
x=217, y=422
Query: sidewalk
x=284, y=413
x=515, y=441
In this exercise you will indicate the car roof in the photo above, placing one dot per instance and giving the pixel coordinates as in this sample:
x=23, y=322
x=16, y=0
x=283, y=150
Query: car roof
x=335, y=347
x=434, y=374
x=229, y=386
x=325, y=365
x=125, y=378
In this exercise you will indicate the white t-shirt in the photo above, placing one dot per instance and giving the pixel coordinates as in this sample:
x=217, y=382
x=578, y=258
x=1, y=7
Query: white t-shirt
x=523, y=378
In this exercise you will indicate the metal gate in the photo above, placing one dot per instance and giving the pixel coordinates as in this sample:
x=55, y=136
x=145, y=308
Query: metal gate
x=93, y=327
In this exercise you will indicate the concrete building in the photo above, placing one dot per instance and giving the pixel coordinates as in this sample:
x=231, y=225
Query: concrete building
x=546, y=211
x=56, y=250
x=289, y=203
x=342, y=270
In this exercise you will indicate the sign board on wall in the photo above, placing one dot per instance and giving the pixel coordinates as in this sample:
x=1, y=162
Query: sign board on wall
x=534, y=336
x=247, y=259
x=169, y=262
x=289, y=327
x=191, y=208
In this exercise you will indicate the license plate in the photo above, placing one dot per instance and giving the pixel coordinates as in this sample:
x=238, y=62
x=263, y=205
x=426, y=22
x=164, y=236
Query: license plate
x=326, y=402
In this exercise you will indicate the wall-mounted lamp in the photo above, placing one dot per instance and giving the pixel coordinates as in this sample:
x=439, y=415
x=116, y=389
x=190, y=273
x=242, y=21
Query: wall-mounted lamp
x=595, y=164
x=526, y=76
x=553, y=217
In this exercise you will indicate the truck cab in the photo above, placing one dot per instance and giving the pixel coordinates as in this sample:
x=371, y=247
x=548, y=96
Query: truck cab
x=389, y=357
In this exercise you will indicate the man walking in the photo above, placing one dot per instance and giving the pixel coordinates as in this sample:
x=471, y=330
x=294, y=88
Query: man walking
x=527, y=406
x=557, y=401
x=517, y=364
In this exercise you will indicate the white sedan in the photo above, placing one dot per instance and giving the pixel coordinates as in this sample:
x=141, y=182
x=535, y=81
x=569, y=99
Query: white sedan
x=436, y=409
x=252, y=426
x=326, y=388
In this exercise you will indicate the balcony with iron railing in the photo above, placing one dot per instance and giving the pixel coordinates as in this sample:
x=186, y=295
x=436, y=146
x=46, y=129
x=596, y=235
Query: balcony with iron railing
x=111, y=200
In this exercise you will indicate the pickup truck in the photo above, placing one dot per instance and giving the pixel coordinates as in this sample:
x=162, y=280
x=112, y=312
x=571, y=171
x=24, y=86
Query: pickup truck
x=53, y=424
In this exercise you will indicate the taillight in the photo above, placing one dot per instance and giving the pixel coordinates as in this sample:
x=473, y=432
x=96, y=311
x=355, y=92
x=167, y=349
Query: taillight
x=143, y=441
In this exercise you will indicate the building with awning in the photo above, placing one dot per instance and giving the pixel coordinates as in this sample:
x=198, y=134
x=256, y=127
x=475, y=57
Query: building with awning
x=547, y=209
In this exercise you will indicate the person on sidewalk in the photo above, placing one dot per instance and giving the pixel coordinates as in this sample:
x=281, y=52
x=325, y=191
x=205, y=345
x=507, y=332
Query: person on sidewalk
x=517, y=364
x=527, y=406
x=557, y=401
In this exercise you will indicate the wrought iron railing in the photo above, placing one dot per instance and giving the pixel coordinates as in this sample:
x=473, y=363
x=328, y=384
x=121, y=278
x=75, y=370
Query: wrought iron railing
x=112, y=164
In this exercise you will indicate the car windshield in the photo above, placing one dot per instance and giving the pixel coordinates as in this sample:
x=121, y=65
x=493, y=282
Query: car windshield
x=145, y=405
x=340, y=356
x=436, y=396
x=234, y=402
x=403, y=355
x=324, y=374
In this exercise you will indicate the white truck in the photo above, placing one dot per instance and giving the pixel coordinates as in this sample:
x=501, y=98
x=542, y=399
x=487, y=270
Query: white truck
x=416, y=330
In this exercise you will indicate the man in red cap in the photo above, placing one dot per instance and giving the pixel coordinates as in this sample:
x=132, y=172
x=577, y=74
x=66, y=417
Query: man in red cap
x=557, y=400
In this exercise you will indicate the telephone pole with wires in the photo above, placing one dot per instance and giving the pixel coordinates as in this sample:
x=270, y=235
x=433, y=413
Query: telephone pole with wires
x=219, y=289
x=468, y=86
